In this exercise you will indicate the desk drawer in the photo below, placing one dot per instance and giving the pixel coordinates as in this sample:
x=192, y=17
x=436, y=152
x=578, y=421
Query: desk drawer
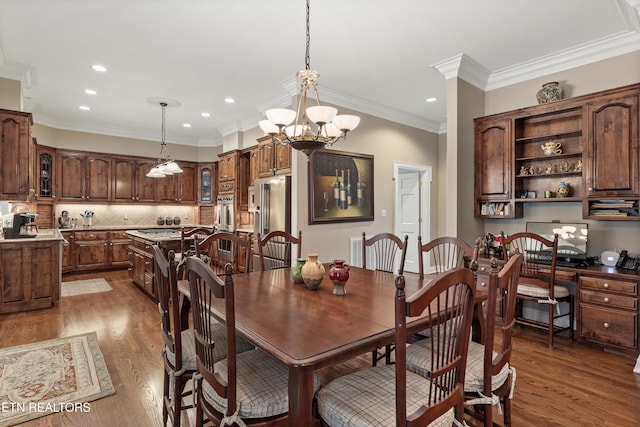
x=613, y=327
x=609, y=300
x=609, y=285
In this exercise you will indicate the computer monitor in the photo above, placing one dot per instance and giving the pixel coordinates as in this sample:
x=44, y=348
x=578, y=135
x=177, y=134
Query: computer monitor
x=572, y=237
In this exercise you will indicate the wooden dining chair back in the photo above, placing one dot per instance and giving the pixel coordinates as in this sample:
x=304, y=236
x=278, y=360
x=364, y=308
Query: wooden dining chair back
x=276, y=249
x=221, y=248
x=247, y=388
x=190, y=237
x=490, y=378
x=178, y=354
x=401, y=397
x=384, y=252
x=537, y=282
x=444, y=254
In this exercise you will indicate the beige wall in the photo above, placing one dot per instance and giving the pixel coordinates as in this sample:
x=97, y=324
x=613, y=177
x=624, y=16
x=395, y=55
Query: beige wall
x=10, y=94
x=388, y=142
x=609, y=74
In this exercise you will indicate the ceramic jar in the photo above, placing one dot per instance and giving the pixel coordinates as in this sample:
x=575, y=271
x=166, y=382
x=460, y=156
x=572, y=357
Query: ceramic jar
x=339, y=274
x=550, y=92
x=296, y=271
x=312, y=272
x=563, y=189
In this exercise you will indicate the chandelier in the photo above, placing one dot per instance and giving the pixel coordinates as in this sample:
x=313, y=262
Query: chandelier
x=314, y=127
x=166, y=166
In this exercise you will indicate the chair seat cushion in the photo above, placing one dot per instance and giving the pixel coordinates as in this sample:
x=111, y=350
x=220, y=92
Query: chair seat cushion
x=188, y=351
x=218, y=332
x=262, y=386
x=473, y=379
x=538, y=292
x=367, y=398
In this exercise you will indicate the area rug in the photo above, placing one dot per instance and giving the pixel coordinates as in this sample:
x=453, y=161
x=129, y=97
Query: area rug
x=81, y=287
x=58, y=375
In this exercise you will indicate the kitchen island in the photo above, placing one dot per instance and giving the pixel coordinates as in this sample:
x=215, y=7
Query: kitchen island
x=30, y=271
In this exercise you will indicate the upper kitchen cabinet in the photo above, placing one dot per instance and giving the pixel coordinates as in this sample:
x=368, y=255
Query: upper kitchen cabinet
x=84, y=177
x=206, y=182
x=494, y=167
x=181, y=187
x=273, y=158
x=45, y=172
x=228, y=171
x=130, y=180
x=16, y=155
x=612, y=149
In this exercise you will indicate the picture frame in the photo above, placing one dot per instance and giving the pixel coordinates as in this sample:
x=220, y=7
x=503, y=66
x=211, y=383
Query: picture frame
x=340, y=187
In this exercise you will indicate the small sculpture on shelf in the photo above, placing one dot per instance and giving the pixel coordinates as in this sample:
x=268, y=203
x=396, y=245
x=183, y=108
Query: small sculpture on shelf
x=524, y=170
x=549, y=169
x=540, y=170
x=578, y=166
x=565, y=167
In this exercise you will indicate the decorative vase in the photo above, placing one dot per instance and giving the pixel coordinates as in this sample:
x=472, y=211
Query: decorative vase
x=550, y=92
x=563, y=189
x=312, y=272
x=296, y=271
x=339, y=274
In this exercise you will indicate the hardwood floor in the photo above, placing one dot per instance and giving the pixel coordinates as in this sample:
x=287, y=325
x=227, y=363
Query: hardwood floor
x=571, y=385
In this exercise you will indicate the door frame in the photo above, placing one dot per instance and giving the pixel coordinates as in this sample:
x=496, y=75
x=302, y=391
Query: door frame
x=424, y=221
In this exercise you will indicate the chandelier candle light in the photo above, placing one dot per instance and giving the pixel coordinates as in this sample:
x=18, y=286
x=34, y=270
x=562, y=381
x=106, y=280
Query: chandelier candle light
x=328, y=127
x=166, y=166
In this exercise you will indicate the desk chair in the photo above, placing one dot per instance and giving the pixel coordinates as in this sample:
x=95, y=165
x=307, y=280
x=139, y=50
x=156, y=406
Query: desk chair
x=275, y=249
x=537, y=281
x=178, y=354
x=249, y=387
x=390, y=395
x=222, y=248
x=379, y=252
x=446, y=253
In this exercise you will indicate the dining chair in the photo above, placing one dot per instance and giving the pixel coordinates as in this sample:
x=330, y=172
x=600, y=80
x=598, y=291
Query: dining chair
x=445, y=253
x=275, y=249
x=190, y=237
x=388, y=395
x=245, y=388
x=178, y=353
x=380, y=253
x=221, y=248
x=537, y=282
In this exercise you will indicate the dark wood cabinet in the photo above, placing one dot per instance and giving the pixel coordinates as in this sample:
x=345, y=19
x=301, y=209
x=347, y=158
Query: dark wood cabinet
x=68, y=251
x=118, y=249
x=45, y=172
x=227, y=166
x=17, y=154
x=28, y=285
x=179, y=188
x=84, y=177
x=91, y=250
x=124, y=179
x=273, y=158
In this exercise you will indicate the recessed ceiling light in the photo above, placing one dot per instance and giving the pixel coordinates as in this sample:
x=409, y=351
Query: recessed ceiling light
x=205, y=114
x=187, y=125
x=90, y=92
x=229, y=100
x=98, y=67
x=84, y=107
x=432, y=99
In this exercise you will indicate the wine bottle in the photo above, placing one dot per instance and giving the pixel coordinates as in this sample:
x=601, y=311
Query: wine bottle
x=336, y=190
x=349, y=199
x=343, y=195
x=359, y=190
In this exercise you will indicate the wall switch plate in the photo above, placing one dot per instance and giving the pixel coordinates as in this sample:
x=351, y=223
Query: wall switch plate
x=383, y=213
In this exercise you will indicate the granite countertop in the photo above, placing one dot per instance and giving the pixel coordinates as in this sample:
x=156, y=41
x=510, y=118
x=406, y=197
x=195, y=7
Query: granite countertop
x=130, y=227
x=44, y=234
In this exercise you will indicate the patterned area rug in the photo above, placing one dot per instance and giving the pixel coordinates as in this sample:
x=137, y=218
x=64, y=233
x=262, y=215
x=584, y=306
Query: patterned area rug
x=81, y=287
x=51, y=376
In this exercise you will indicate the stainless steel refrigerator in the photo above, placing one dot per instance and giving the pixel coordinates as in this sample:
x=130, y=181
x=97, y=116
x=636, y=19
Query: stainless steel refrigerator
x=272, y=211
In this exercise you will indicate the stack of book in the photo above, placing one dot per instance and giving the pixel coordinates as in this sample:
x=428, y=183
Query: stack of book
x=613, y=208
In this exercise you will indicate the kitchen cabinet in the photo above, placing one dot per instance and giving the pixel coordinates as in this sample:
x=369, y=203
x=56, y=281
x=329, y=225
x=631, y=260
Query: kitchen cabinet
x=206, y=181
x=28, y=285
x=142, y=264
x=273, y=158
x=68, y=251
x=227, y=166
x=130, y=180
x=180, y=187
x=608, y=312
x=118, y=249
x=45, y=171
x=91, y=250
x=17, y=154
x=84, y=177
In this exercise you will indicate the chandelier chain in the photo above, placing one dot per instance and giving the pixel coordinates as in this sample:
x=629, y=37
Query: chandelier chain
x=307, y=60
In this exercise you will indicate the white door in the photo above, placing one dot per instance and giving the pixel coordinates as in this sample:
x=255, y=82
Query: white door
x=412, y=198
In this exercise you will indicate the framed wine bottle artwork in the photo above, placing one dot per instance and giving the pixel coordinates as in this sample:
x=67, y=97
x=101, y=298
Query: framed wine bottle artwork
x=340, y=187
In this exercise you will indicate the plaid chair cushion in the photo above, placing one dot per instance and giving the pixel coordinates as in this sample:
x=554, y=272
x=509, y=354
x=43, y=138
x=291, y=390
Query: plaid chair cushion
x=367, y=398
x=538, y=292
x=473, y=379
x=262, y=386
x=188, y=351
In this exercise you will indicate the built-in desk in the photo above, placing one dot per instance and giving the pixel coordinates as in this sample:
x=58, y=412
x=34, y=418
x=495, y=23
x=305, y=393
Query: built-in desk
x=607, y=309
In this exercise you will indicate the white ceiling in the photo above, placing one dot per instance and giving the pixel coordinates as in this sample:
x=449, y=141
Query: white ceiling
x=379, y=57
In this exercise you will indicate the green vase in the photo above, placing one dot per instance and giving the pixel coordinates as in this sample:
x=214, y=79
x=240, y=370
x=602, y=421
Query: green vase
x=296, y=271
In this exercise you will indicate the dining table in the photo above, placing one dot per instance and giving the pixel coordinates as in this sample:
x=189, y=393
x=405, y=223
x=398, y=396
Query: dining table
x=308, y=330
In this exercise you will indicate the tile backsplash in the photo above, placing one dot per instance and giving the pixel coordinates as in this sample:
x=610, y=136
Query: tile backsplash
x=126, y=215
